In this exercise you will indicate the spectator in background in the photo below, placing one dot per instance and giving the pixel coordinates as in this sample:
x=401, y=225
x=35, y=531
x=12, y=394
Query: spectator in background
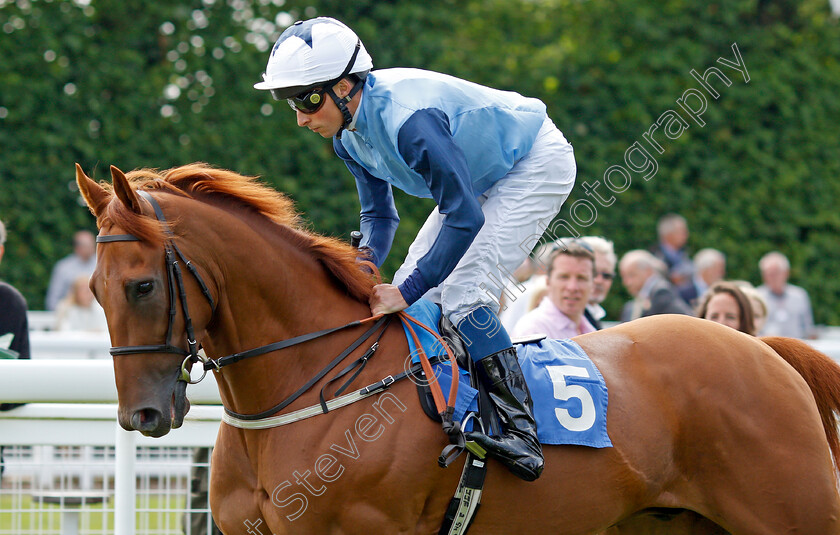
x=79, y=311
x=644, y=277
x=537, y=264
x=520, y=275
x=66, y=270
x=757, y=303
x=788, y=306
x=569, y=287
x=725, y=303
x=672, y=230
x=14, y=327
x=709, y=267
x=605, y=260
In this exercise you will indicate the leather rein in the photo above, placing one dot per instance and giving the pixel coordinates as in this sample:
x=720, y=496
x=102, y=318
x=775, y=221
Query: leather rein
x=175, y=280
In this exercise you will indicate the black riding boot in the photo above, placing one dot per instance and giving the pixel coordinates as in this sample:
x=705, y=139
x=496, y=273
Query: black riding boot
x=518, y=448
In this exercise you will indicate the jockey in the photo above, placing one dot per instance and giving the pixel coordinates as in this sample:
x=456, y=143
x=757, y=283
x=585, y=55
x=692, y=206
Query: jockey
x=493, y=161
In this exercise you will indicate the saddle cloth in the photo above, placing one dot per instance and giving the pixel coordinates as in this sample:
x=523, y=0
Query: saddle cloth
x=569, y=393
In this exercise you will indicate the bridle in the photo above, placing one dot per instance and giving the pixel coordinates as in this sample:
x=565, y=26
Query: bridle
x=175, y=282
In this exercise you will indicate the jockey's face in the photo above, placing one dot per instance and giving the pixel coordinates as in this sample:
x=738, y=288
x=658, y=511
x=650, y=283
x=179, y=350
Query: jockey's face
x=328, y=119
x=325, y=121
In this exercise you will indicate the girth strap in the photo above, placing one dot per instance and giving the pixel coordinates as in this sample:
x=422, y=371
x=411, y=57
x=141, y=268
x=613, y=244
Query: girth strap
x=464, y=505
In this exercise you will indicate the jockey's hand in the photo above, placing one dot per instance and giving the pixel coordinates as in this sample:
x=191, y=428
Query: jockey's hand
x=385, y=299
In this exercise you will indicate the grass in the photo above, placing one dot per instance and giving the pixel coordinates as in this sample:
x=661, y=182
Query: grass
x=156, y=514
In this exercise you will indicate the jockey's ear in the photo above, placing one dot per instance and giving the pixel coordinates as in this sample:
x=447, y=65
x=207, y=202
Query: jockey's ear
x=94, y=195
x=124, y=192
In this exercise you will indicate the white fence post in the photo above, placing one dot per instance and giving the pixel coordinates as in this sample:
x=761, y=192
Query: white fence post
x=125, y=494
x=71, y=403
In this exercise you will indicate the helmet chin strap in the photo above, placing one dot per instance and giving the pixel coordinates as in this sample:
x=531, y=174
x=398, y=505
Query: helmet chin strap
x=342, y=102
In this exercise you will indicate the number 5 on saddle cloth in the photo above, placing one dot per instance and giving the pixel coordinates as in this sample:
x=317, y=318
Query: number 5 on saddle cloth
x=569, y=394
x=569, y=397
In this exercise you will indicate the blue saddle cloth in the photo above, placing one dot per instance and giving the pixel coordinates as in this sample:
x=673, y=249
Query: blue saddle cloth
x=570, y=395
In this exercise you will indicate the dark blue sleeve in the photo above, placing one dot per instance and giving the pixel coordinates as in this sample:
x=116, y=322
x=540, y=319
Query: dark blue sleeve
x=378, y=220
x=426, y=144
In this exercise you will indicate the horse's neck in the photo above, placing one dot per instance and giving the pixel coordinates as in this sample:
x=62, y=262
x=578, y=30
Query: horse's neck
x=272, y=291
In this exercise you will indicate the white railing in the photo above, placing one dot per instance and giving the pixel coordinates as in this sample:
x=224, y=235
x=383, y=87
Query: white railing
x=71, y=403
x=69, y=345
x=41, y=320
x=70, y=392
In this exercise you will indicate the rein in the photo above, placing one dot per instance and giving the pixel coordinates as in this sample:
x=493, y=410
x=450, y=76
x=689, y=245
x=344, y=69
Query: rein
x=260, y=420
x=444, y=408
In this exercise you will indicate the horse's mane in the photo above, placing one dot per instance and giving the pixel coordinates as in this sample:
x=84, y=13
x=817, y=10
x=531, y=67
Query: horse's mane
x=202, y=181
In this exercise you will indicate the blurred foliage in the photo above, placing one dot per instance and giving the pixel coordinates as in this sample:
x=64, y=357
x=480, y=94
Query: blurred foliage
x=160, y=84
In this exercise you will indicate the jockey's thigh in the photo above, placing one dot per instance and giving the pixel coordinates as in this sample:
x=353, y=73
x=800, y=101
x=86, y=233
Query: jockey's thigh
x=517, y=210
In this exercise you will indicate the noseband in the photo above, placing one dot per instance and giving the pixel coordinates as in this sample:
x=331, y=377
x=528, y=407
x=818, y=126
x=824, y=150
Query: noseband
x=176, y=284
x=175, y=281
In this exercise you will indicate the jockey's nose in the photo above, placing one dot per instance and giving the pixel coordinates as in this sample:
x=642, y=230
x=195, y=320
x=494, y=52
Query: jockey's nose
x=302, y=118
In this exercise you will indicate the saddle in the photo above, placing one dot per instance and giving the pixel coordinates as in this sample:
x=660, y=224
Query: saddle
x=569, y=393
x=459, y=349
x=570, y=402
x=465, y=503
x=485, y=410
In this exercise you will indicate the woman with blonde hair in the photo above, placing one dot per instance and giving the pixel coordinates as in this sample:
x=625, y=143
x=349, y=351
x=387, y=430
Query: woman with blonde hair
x=79, y=311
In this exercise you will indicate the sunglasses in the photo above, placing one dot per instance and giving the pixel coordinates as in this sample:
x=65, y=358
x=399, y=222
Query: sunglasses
x=308, y=102
x=605, y=275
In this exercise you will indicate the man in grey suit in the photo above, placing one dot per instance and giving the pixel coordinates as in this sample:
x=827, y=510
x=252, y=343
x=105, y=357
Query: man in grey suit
x=643, y=276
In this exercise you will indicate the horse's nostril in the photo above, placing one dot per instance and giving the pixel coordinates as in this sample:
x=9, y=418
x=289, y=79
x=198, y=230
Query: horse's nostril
x=146, y=419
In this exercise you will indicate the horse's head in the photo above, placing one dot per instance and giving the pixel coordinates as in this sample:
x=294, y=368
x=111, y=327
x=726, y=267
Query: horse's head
x=139, y=291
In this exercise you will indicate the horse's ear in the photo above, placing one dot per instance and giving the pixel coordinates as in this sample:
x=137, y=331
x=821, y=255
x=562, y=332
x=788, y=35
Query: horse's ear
x=94, y=195
x=124, y=192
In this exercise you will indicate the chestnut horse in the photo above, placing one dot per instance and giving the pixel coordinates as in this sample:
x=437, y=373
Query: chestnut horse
x=712, y=430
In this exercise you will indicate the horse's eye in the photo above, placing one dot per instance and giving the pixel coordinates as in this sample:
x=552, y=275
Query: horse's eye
x=145, y=288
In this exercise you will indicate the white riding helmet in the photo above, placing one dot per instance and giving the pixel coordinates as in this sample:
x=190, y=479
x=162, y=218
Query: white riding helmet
x=313, y=53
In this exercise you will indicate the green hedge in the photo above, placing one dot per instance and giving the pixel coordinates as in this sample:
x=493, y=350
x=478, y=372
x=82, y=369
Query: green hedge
x=96, y=85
